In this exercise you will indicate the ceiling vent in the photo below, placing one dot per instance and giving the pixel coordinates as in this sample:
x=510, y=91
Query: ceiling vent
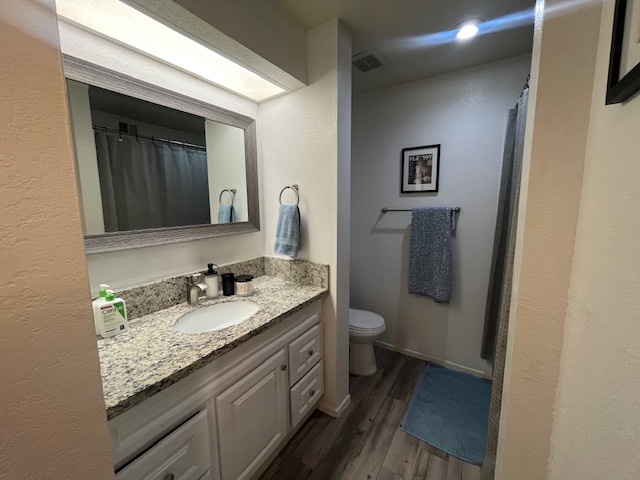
x=368, y=60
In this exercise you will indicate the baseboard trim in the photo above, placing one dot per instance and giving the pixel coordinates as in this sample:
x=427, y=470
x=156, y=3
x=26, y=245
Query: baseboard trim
x=335, y=412
x=437, y=361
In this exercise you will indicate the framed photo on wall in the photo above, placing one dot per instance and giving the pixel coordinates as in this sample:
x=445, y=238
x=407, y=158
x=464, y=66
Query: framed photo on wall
x=624, y=62
x=420, y=169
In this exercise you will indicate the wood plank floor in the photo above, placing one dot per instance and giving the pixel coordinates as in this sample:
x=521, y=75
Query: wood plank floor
x=366, y=442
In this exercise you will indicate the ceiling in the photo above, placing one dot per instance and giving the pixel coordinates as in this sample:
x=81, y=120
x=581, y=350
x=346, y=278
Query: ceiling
x=417, y=37
x=146, y=112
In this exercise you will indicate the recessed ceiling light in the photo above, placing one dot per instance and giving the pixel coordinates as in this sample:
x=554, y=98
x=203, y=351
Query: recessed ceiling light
x=126, y=25
x=468, y=29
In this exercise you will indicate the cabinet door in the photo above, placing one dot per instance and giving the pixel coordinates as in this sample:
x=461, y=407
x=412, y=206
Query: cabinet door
x=252, y=418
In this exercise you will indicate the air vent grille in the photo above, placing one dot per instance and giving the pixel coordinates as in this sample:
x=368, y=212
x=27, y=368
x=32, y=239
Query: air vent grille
x=367, y=61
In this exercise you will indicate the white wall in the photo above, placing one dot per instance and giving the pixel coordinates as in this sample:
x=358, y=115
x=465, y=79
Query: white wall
x=304, y=139
x=596, y=431
x=226, y=168
x=85, y=150
x=134, y=267
x=465, y=112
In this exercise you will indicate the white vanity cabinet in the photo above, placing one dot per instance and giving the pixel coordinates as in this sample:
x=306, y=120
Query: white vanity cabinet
x=253, y=418
x=230, y=418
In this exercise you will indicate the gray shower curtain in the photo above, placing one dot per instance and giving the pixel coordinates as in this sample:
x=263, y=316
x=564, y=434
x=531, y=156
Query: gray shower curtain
x=147, y=184
x=494, y=343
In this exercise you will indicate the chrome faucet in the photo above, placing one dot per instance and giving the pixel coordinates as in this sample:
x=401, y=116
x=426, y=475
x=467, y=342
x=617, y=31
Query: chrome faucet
x=195, y=288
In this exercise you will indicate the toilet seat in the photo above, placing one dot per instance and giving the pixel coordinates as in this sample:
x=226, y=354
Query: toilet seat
x=365, y=321
x=367, y=331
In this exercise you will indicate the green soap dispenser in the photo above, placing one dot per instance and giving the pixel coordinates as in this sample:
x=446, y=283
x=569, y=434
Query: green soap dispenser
x=102, y=294
x=112, y=316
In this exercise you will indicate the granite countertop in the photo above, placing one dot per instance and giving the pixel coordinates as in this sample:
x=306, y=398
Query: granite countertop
x=151, y=355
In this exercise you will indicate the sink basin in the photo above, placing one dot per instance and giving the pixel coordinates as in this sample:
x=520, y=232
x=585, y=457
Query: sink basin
x=216, y=317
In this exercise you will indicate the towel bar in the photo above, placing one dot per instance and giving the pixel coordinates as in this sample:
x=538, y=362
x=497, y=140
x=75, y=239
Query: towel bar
x=385, y=209
x=293, y=187
x=232, y=192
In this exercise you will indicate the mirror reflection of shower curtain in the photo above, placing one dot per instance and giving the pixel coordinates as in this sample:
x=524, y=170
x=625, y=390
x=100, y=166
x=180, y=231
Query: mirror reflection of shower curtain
x=494, y=342
x=147, y=184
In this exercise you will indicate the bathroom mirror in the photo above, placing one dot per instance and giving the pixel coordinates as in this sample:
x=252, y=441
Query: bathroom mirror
x=157, y=167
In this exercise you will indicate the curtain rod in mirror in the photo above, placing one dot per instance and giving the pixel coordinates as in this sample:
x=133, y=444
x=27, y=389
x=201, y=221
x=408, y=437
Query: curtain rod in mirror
x=147, y=137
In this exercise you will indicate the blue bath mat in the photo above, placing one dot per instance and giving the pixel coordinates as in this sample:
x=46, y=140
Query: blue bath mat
x=450, y=410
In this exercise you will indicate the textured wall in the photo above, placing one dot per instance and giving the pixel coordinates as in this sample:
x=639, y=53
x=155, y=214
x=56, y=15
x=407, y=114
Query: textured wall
x=558, y=119
x=303, y=139
x=466, y=112
x=134, y=267
x=53, y=423
x=596, y=431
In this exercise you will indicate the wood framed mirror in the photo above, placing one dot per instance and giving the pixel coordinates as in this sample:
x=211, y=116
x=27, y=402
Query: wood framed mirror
x=155, y=166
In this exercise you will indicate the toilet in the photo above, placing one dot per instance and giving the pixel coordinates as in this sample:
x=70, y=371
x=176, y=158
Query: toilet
x=364, y=328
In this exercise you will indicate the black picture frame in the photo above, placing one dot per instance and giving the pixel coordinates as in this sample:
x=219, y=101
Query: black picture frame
x=423, y=161
x=620, y=89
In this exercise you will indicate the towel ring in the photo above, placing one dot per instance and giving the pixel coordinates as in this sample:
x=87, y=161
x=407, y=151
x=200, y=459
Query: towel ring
x=293, y=187
x=231, y=191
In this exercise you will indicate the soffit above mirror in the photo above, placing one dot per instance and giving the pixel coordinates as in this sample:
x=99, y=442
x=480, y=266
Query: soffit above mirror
x=263, y=27
x=184, y=42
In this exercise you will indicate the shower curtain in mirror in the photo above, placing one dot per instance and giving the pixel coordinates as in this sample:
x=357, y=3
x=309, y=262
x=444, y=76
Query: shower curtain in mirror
x=494, y=344
x=146, y=184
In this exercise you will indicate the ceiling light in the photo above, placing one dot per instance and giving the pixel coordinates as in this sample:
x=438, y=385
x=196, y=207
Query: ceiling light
x=468, y=29
x=126, y=25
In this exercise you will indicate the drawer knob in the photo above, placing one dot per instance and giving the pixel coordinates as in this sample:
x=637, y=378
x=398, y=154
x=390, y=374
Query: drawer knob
x=310, y=352
x=170, y=476
x=312, y=392
x=284, y=367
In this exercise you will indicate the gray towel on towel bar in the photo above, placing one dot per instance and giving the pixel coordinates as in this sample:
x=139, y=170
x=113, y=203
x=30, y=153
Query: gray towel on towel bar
x=288, y=231
x=430, y=252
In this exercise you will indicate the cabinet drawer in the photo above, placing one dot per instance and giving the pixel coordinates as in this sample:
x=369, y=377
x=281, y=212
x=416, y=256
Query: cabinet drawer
x=304, y=353
x=306, y=393
x=183, y=455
